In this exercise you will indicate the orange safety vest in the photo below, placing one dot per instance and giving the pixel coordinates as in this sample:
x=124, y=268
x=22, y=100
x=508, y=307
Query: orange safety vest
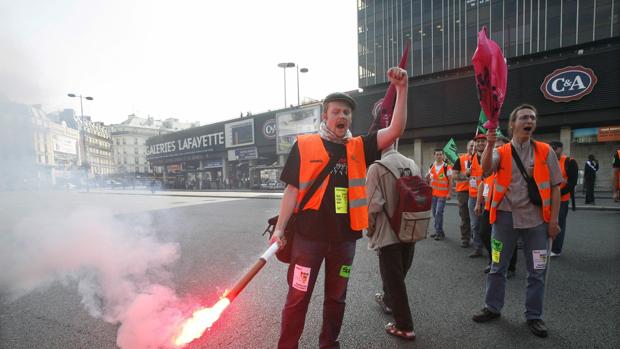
x=475, y=173
x=439, y=181
x=463, y=185
x=313, y=158
x=489, y=183
x=503, y=177
x=566, y=196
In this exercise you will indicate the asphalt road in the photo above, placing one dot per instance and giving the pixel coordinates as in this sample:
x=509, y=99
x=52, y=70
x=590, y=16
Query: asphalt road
x=219, y=238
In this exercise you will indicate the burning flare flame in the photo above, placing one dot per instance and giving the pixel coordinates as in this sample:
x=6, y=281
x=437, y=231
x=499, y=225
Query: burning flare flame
x=200, y=321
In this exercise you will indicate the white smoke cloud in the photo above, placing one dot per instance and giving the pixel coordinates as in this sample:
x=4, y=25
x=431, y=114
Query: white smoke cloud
x=120, y=270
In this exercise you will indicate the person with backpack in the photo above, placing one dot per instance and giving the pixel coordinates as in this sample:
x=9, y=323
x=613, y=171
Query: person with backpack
x=570, y=174
x=589, y=178
x=439, y=176
x=525, y=205
x=395, y=256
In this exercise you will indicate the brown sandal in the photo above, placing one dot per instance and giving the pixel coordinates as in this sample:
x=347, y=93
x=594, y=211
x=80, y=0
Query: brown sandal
x=393, y=330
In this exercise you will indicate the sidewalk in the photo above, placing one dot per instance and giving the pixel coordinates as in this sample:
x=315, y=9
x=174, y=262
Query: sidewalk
x=603, y=203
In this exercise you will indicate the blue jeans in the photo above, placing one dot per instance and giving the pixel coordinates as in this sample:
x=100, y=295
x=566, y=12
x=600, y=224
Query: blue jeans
x=306, y=259
x=556, y=247
x=437, y=207
x=475, y=225
x=504, y=239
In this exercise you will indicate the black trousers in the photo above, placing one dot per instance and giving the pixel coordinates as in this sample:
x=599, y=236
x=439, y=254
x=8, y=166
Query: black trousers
x=485, y=234
x=394, y=263
x=589, y=185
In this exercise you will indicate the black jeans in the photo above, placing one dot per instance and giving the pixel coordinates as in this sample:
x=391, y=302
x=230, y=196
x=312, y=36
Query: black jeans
x=589, y=185
x=485, y=234
x=394, y=263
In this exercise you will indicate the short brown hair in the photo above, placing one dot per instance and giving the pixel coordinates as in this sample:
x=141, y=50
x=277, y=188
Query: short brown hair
x=513, y=114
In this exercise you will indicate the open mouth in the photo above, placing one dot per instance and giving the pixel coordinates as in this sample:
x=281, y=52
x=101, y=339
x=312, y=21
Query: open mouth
x=341, y=125
x=527, y=128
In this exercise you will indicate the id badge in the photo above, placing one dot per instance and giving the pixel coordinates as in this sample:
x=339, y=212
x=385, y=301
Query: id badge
x=485, y=192
x=342, y=200
x=472, y=182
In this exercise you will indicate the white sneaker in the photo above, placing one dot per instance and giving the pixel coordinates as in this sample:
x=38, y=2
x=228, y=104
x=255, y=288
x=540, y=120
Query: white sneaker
x=555, y=254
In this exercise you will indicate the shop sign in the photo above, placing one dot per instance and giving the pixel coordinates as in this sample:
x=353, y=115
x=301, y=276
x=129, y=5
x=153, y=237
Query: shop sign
x=246, y=153
x=269, y=129
x=568, y=84
x=609, y=134
x=64, y=144
x=213, y=163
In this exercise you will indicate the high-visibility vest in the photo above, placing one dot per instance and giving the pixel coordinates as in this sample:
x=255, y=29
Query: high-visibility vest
x=503, y=177
x=439, y=181
x=463, y=185
x=566, y=196
x=489, y=187
x=475, y=174
x=313, y=158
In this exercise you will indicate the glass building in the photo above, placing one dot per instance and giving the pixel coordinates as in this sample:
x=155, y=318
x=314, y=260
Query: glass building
x=443, y=33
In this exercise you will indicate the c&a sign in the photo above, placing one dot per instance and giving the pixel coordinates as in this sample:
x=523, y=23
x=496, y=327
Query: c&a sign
x=568, y=84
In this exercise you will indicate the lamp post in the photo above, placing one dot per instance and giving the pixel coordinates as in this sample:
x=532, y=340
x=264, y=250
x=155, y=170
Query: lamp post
x=303, y=70
x=284, y=66
x=82, y=132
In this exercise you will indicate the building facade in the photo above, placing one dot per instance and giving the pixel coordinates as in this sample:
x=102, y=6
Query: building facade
x=129, y=143
x=234, y=154
x=562, y=58
x=442, y=34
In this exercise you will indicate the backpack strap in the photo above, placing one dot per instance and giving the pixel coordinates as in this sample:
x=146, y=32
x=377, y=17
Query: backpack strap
x=395, y=176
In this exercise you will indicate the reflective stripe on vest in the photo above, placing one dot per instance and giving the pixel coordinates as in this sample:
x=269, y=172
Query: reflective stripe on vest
x=618, y=179
x=566, y=196
x=476, y=173
x=313, y=158
x=503, y=177
x=439, y=182
x=489, y=181
x=463, y=185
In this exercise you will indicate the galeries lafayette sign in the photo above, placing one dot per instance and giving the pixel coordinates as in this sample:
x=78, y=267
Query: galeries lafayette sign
x=568, y=84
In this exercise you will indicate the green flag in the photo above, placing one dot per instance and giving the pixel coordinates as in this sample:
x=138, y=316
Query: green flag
x=481, y=120
x=450, y=150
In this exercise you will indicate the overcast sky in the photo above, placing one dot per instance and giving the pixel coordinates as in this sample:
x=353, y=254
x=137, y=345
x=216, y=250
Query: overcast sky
x=201, y=61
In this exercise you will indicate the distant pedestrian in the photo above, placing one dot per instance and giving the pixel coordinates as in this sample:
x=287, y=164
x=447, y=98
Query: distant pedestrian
x=570, y=174
x=615, y=181
x=439, y=176
x=589, y=178
x=395, y=257
x=459, y=171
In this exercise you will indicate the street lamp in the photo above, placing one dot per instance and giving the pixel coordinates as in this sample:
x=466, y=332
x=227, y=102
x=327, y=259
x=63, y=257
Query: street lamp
x=284, y=66
x=303, y=70
x=83, y=134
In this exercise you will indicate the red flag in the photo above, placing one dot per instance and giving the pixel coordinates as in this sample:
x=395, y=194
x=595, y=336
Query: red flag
x=384, y=108
x=491, y=77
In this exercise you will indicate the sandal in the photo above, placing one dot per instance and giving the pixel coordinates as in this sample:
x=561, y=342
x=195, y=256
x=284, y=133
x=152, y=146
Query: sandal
x=393, y=330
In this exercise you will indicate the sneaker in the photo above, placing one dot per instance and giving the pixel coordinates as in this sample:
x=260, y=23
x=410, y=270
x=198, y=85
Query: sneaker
x=553, y=254
x=475, y=254
x=393, y=330
x=433, y=235
x=440, y=237
x=465, y=244
x=485, y=315
x=379, y=298
x=487, y=269
x=538, y=327
x=510, y=274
